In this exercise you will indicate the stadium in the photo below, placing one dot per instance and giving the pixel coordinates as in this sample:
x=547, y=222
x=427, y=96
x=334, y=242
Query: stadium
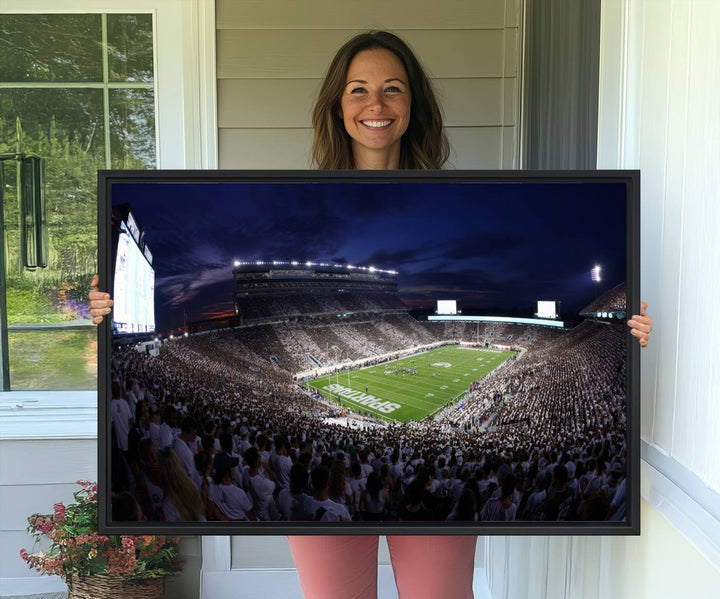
x=322, y=364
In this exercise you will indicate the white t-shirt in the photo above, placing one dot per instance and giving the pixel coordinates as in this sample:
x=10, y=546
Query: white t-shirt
x=261, y=490
x=294, y=506
x=366, y=469
x=483, y=486
x=132, y=400
x=619, y=502
x=357, y=486
x=595, y=484
x=172, y=514
x=493, y=511
x=156, y=435
x=281, y=467
x=333, y=512
x=535, y=504
x=121, y=416
x=243, y=446
x=232, y=501
x=187, y=457
x=432, y=487
x=167, y=435
x=396, y=472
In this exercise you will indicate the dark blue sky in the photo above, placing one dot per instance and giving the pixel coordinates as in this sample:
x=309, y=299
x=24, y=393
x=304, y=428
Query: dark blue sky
x=496, y=247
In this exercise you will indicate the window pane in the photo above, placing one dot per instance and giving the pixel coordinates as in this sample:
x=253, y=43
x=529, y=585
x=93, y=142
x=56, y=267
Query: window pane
x=50, y=48
x=52, y=343
x=132, y=128
x=64, y=127
x=130, y=47
x=51, y=118
x=55, y=359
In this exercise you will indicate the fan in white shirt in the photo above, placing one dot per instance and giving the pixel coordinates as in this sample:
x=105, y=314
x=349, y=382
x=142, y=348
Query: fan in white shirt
x=293, y=502
x=324, y=509
x=280, y=462
x=183, y=448
x=231, y=500
x=261, y=487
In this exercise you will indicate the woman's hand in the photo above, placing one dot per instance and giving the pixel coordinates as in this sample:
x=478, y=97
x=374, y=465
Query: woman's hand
x=641, y=325
x=100, y=302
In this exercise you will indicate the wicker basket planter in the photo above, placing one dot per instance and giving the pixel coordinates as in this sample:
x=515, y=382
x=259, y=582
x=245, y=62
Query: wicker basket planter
x=116, y=587
x=96, y=566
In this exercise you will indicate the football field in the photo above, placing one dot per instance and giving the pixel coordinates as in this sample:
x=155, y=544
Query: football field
x=393, y=391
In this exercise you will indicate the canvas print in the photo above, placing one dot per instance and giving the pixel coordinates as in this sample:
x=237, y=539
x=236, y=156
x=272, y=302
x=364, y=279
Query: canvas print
x=378, y=353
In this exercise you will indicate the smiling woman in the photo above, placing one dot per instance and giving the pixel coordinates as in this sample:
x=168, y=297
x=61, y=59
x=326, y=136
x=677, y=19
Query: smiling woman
x=375, y=108
x=364, y=106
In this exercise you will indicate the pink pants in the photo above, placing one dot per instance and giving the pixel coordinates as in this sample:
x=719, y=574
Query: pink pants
x=345, y=567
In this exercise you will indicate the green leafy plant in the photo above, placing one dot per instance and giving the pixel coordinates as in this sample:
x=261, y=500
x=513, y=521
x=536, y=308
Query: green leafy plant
x=77, y=550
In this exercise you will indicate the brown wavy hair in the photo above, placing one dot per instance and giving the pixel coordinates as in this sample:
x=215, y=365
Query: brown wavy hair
x=178, y=487
x=423, y=146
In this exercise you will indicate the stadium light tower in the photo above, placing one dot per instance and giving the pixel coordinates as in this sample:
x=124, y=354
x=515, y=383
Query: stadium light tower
x=595, y=274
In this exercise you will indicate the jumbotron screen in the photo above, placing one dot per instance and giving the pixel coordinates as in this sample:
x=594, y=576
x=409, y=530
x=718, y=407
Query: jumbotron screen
x=281, y=350
x=133, y=287
x=547, y=309
x=446, y=307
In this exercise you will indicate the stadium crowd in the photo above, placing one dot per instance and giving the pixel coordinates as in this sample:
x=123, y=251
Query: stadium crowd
x=214, y=428
x=283, y=305
x=610, y=301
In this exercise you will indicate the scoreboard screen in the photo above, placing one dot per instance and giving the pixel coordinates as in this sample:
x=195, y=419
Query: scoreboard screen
x=446, y=307
x=548, y=309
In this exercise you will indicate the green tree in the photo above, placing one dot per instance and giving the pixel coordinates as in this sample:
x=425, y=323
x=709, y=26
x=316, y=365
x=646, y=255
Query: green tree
x=64, y=121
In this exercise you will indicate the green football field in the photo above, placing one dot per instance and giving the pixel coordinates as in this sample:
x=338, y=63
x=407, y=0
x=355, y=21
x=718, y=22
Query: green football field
x=390, y=391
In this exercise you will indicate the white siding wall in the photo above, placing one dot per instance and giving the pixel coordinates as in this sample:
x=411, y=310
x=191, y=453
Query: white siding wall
x=672, y=133
x=271, y=57
x=36, y=474
x=659, y=90
x=48, y=441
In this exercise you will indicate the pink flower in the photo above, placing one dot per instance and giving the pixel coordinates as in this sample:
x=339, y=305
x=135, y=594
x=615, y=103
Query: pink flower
x=59, y=512
x=128, y=542
x=73, y=554
x=53, y=566
x=121, y=562
x=44, y=526
x=148, y=540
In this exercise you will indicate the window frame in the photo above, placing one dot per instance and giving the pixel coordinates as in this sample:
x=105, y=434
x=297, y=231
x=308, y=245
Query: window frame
x=185, y=129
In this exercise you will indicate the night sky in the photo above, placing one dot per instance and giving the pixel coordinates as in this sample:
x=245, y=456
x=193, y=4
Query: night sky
x=496, y=248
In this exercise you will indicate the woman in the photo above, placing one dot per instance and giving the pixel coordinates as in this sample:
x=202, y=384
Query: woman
x=182, y=500
x=148, y=481
x=374, y=500
x=340, y=490
x=207, y=486
x=465, y=510
x=377, y=110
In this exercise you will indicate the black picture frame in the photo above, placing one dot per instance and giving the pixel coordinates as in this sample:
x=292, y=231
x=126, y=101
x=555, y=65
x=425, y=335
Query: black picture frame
x=629, y=179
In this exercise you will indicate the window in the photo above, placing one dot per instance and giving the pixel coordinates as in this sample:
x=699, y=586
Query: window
x=77, y=90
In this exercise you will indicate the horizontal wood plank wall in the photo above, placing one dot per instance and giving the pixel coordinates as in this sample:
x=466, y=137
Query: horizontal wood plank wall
x=36, y=474
x=271, y=57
